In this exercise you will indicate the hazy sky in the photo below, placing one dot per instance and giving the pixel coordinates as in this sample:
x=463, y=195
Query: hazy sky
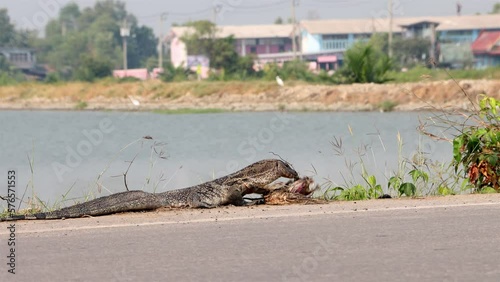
x=34, y=13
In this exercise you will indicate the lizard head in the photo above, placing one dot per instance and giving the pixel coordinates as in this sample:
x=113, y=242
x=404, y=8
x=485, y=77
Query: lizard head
x=285, y=170
x=264, y=172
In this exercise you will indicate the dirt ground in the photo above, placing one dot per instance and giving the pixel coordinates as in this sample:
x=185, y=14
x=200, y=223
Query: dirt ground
x=230, y=213
x=301, y=97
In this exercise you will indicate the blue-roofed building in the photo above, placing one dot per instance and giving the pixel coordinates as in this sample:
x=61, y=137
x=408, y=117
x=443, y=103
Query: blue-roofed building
x=336, y=36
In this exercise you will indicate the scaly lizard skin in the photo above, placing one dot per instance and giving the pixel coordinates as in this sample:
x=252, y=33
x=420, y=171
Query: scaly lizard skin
x=222, y=191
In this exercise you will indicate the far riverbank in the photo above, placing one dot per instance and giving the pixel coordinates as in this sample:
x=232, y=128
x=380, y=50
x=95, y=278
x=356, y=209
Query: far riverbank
x=245, y=96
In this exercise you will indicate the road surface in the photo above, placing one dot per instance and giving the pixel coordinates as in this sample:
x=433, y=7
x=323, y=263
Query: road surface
x=435, y=239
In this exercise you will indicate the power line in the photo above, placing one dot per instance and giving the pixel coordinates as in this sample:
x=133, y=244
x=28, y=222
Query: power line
x=156, y=15
x=332, y=1
x=344, y=3
x=257, y=7
x=191, y=13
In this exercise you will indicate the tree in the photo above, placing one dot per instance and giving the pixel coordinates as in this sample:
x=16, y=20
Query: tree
x=201, y=37
x=380, y=41
x=202, y=40
x=95, y=31
x=496, y=8
x=68, y=18
x=4, y=65
x=142, y=46
x=278, y=20
x=25, y=38
x=411, y=51
x=224, y=55
x=8, y=74
x=9, y=36
x=245, y=66
x=7, y=32
x=406, y=51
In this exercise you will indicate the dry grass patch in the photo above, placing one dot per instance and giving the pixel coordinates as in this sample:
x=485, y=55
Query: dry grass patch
x=83, y=91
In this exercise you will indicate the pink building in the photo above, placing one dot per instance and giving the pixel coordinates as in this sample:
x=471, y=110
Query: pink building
x=141, y=74
x=269, y=42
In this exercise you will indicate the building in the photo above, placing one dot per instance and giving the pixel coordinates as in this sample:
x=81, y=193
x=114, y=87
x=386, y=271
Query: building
x=142, y=74
x=321, y=36
x=323, y=42
x=486, y=49
x=20, y=58
x=266, y=42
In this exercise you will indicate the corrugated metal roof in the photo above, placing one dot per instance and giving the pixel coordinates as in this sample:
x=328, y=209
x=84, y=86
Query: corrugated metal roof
x=486, y=42
x=346, y=26
x=245, y=31
x=382, y=24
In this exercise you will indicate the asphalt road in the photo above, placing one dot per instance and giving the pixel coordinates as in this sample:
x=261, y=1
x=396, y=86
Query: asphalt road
x=415, y=240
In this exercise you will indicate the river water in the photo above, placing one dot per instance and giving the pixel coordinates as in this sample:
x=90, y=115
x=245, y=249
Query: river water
x=70, y=150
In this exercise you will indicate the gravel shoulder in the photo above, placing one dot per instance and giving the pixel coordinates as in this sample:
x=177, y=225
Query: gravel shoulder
x=231, y=213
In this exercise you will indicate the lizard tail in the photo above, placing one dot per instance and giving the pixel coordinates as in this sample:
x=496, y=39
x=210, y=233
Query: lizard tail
x=120, y=202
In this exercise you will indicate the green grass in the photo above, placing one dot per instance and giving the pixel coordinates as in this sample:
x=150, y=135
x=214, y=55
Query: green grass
x=387, y=105
x=190, y=111
x=422, y=74
x=81, y=105
x=205, y=88
x=415, y=175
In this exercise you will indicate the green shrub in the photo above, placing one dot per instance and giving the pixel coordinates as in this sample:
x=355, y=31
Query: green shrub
x=415, y=74
x=92, y=68
x=9, y=75
x=52, y=77
x=272, y=70
x=365, y=64
x=297, y=70
x=245, y=68
x=408, y=188
x=128, y=79
x=171, y=73
x=477, y=148
x=293, y=70
x=81, y=105
x=387, y=105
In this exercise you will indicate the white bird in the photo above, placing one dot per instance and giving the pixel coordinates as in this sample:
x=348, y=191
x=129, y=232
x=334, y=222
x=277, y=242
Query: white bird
x=134, y=101
x=280, y=81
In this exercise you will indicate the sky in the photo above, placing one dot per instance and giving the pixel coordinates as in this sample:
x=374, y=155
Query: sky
x=35, y=13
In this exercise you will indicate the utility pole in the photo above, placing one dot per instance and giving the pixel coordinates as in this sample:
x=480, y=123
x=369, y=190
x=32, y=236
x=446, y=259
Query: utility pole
x=390, y=29
x=163, y=17
x=294, y=30
x=216, y=10
x=125, y=32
